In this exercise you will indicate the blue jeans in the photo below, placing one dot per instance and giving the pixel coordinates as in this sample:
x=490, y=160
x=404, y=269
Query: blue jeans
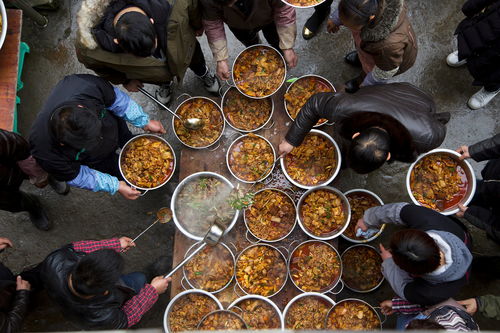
x=135, y=280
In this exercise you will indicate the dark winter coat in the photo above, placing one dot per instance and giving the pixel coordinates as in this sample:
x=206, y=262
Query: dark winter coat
x=13, y=148
x=102, y=312
x=11, y=320
x=478, y=38
x=404, y=111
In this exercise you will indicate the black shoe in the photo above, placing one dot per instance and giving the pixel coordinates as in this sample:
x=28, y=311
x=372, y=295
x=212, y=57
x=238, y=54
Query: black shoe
x=161, y=266
x=352, y=86
x=36, y=212
x=61, y=188
x=313, y=23
x=352, y=59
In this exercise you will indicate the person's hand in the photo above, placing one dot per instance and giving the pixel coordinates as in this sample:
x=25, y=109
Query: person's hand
x=361, y=225
x=385, y=254
x=290, y=58
x=126, y=243
x=223, y=70
x=284, y=147
x=128, y=192
x=133, y=85
x=386, y=307
x=22, y=284
x=464, y=152
x=160, y=284
x=199, y=32
x=462, y=210
x=331, y=27
x=470, y=305
x=154, y=126
x=5, y=243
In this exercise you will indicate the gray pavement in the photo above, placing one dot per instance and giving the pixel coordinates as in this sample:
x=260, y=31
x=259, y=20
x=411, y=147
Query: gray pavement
x=86, y=215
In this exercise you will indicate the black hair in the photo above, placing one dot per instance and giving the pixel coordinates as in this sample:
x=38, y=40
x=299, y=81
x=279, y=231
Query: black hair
x=415, y=251
x=97, y=272
x=359, y=12
x=424, y=324
x=223, y=2
x=136, y=34
x=76, y=126
x=369, y=150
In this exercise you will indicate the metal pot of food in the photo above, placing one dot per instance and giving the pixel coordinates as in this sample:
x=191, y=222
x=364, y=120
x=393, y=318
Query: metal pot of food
x=320, y=205
x=372, y=201
x=303, y=3
x=259, y=71
x=305, y=175
x=371, y=277
x=247, y=154
x=213, y=122
x=191, y=305
x=315, y=255
x=307, y=311
x=307, y=85
x=345, y=315
x=252, y=278
x=247, y=305
x=218, y=265
x=250, y=115
x=3, y=23
x=222, y=320
x=139, y=168
x=426, y=186
x=271, y=228
x=199, y=200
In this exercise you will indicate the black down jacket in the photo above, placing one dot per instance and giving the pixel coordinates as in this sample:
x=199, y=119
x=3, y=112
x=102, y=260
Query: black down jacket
x=13, y=148
x=407, y=113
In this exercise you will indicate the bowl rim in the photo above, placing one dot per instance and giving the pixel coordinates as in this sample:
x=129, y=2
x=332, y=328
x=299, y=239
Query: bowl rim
x=222, y=311
x=307, y=294
x=464, y=164
x=176, y=194
x=354, y=289
x=334, y=174
x=3, y=32
x=353, y=299
x=382, y=228
x=135, y=138
x=262, y=298
x=310, y=6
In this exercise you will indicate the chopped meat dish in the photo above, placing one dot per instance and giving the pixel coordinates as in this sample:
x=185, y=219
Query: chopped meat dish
x=322, y=212
x=359, y=202
x=222, y=320
x=249, y=157
x=307, y=313
x=245, y=113
x=362, y=268
x=258, y=314
x=353, y=315
x=188, y=310
x=304, y=3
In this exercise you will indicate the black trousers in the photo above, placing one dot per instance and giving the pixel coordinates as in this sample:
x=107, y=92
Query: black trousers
x=492, y=87
x=323, y=9
x=251, y=36
x=198, y=64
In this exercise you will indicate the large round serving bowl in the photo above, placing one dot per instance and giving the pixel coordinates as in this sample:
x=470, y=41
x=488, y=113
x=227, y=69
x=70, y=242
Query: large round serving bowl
x=354, y=302
x=364, y=248
x=325, y=300
x=468, y=173
x=3, y=23
x=236, y=305
x=199, y=234
x=334, y=173
x=303, y=4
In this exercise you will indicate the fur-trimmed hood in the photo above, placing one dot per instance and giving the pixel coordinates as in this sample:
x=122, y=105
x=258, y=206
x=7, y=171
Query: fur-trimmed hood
x=386, y=23
x=88, y=16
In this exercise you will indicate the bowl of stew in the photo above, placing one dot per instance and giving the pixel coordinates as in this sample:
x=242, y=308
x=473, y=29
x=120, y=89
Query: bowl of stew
x=258, y=312
x=353, y=314
x=303, y=3
x=222, y=320
x=362, y=268
x=307, y=311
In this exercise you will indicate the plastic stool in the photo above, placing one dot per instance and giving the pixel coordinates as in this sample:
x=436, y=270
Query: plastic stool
x=23, y=50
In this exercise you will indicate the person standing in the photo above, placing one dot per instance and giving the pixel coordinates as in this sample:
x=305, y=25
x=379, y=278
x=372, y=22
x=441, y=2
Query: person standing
x=313, y=23
x=478, y=39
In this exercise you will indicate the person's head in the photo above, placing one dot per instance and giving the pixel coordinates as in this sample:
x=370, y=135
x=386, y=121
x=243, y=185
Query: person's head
x=76, y=126
x=135, y=34
x=225, y=2
x=369, y=150
x=415, y=251
x=97, y=272
x=424, y=324
x=357, y=14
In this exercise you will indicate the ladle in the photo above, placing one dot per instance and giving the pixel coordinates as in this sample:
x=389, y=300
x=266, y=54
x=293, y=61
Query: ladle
x=190, y=123
x=163, y=215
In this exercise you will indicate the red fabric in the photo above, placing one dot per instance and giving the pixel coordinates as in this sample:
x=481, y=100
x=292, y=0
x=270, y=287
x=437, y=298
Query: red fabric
x=214, y=30
x=138, y=305
x=284, y=15
x=88, y=246
x=403, y=306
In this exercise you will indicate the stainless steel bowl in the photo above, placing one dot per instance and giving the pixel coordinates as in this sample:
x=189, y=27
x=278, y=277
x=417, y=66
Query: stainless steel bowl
x=310, y=6
x=222, y=311
x=195, y=287
x=345, y=205
x=266, y=245
x=299, y=296
x=254, y=46
x=264, y=299
x=166, y=324
x=334, y=174
x=229, y=152
x=377, y=198
x=320, y=78
x=3, y=28
x=279, y=239
x=218, y=108
x=174, y=199
x=333, y=284
x=469, y=172
x=124, y=149
x=348, y=300
x=224, y=99
x=354, y=289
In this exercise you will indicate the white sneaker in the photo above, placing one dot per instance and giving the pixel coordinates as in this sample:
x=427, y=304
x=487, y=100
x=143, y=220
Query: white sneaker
x=164, y=93
x=452, y=60
x=210, y=82
x=481, y=98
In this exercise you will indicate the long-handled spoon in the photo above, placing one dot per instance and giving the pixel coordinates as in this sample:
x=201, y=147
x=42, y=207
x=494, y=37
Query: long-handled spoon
x=163, y=215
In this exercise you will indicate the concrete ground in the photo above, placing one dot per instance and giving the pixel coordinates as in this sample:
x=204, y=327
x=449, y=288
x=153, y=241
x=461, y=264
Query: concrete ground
x=86, y=215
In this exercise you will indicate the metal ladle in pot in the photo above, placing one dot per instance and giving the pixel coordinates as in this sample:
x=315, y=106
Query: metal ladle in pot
x=190, y=123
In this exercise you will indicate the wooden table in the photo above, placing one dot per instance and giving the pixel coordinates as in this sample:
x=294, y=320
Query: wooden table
x=193, y=161
x=9, y=64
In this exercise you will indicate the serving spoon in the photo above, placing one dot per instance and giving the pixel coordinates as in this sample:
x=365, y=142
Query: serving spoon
x=163, y=215
x=189, y=123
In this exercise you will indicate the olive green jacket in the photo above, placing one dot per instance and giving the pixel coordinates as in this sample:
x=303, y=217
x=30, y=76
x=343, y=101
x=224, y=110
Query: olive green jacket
x=119, y=68
x=489, y=306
